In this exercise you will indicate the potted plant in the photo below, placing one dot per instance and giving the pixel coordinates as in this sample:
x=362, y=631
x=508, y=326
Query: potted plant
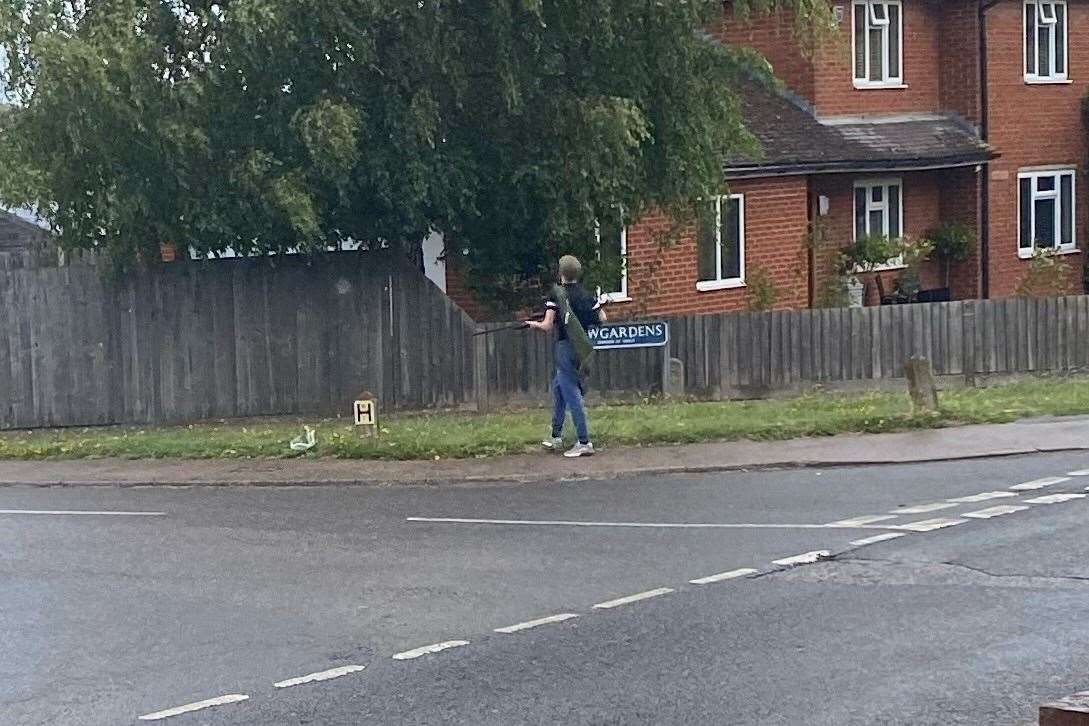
x=913, y=252
x=952, y=242
x=866, y=255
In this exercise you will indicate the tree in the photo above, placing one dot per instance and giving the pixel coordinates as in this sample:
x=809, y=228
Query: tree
x=264, y=125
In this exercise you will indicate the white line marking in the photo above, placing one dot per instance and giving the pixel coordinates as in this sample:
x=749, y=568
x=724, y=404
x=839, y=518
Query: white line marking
x=923, y=508
x=803, y=559
x=732, y=574
x=998, y=511
x=859, y=521
x=320, y=676
x=220, y=701
x=608, y=604
x=1054, y=498
x=428, y=649
x=534, y=623
x=1039, y=483
x=929, y=525
x=983, y=497
x=661, y=525
x=1079, y=472
x=877, y=538
x=78, y=511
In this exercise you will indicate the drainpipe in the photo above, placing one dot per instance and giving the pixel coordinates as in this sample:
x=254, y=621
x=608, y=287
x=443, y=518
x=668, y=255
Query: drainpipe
x=984, y=188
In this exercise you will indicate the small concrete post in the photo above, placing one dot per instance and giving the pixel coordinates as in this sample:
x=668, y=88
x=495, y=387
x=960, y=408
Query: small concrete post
x=921, y=386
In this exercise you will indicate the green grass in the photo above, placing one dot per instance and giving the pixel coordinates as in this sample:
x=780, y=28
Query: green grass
x=458, y=435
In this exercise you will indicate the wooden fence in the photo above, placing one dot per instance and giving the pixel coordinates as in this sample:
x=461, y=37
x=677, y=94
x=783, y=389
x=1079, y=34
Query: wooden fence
x=227, y=338
x=733, y=355
x=293, y=336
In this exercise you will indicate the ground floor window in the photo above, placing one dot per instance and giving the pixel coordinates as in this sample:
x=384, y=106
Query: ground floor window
x=612, y=246
x=879, y=211
x=720, y=238
x=1045, y=211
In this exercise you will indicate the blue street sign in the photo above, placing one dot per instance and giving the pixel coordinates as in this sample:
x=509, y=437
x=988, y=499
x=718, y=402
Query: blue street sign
x=653, y=334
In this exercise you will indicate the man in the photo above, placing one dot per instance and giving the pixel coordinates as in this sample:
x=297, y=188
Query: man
x=566, y=386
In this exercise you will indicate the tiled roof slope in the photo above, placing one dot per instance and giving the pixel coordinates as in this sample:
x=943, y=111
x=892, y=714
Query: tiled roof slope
x=795, y=140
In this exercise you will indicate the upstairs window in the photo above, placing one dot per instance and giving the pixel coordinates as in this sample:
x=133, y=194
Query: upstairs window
x=1046, y=211
x=879, y=212
x=878, y=43
x=1045, y=40
x=721, y=243
x=612, y=248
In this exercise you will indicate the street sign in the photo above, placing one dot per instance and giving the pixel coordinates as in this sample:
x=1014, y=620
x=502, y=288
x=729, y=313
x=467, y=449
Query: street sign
x=365, y=413
x=653, y=334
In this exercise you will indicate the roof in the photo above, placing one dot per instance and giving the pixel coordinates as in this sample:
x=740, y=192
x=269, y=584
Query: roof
x=795, y=140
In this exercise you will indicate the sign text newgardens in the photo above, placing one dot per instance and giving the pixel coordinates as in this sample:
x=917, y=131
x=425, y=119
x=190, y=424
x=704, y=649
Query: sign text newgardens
x=653, y=334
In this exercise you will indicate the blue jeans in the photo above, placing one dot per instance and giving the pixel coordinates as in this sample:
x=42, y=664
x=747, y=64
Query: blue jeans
x=566, y=393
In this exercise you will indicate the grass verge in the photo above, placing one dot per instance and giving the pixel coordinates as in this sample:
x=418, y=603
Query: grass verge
x=454, y=435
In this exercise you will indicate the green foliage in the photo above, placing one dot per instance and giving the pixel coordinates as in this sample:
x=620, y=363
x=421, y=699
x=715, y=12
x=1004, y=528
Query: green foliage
x=1046, y=276
x=952, y=240
x=913, y=252
x=762, y=292
x=261, y=125
x=868, y=252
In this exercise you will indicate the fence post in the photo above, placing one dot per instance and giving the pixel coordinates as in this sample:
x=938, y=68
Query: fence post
x=968, y=333
x=480, y=372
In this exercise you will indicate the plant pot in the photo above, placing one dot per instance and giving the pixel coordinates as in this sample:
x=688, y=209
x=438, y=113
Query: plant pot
x=940, y=294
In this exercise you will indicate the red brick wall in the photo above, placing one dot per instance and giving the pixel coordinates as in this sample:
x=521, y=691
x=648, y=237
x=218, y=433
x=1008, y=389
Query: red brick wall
x=1031, y=125
x=662, y=280
x=772, y=35
x=960, y=203
x=958, y=79
x=458, y=291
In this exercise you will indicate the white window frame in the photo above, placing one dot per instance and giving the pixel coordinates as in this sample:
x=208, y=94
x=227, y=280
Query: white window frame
x=872, y=20
x=894, y=263
x=620, y=295
x=1032, y=74
x=720, y=282
x=1059, y=172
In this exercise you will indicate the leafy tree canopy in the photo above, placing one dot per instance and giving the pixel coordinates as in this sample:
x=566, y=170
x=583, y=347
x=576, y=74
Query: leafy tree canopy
x=264, y=125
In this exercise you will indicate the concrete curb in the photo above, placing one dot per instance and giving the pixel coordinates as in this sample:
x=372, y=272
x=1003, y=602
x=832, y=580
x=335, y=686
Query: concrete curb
x=536, y=477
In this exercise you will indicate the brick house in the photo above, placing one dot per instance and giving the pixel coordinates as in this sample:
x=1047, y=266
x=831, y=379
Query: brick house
x=927, y=112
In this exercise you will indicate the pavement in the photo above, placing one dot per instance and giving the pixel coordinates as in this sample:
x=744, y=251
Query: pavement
x=940, y=592
x=949, y=444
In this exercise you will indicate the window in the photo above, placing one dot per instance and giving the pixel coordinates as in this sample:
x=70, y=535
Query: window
x=1045, y=211
x=612, y=248
x=878, y=43
x=879, y=211
x=720, y=239
x=1045, y=40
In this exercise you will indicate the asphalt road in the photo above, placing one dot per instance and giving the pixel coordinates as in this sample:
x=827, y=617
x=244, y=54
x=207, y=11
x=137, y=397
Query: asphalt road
x=200, y=593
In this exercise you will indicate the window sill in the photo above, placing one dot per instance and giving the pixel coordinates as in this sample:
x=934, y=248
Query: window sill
x=874, y=86
x=1047, y=81
x=709, y=285
x=1069, y=251
x=615, y=297
x=881, y=268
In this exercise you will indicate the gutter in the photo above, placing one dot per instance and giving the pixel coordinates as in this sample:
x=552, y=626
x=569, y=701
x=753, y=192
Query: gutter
x=854, y=167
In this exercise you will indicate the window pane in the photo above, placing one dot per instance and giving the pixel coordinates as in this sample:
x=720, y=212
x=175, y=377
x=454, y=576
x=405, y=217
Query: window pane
x=1066, y=196
x=1045, y=183
x=876, y=52
x=1060, y=38
x=731, y=238
x=860, y=212
x=1030, y=38
x=1043, y=47
x=612, y=258
x=894, y=41
x=1045, y=223
x=894, y=211
x=860, y=42
x=877, y=194
x=877, y=221
x=1025, y=238
x=707, y=240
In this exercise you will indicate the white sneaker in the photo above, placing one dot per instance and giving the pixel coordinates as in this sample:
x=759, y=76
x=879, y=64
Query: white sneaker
x=553, y=443
x=579, y=450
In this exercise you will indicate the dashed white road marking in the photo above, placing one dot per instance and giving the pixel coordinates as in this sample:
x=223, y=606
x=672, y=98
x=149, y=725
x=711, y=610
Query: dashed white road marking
x=659, y=525
x=178, y=710
x=923, y=508
x=803, y=559
x=608, y=604
x=998, y=511
x=428, y=649
x=981, y=497
x=320, y=676
x=929, y=525
x=878, y=538
x=534, y=623
x=1079, y=472
x=1047, y=481
x=732, y=574
x=1054, y=498
x=861, y=521
x=68, y=512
